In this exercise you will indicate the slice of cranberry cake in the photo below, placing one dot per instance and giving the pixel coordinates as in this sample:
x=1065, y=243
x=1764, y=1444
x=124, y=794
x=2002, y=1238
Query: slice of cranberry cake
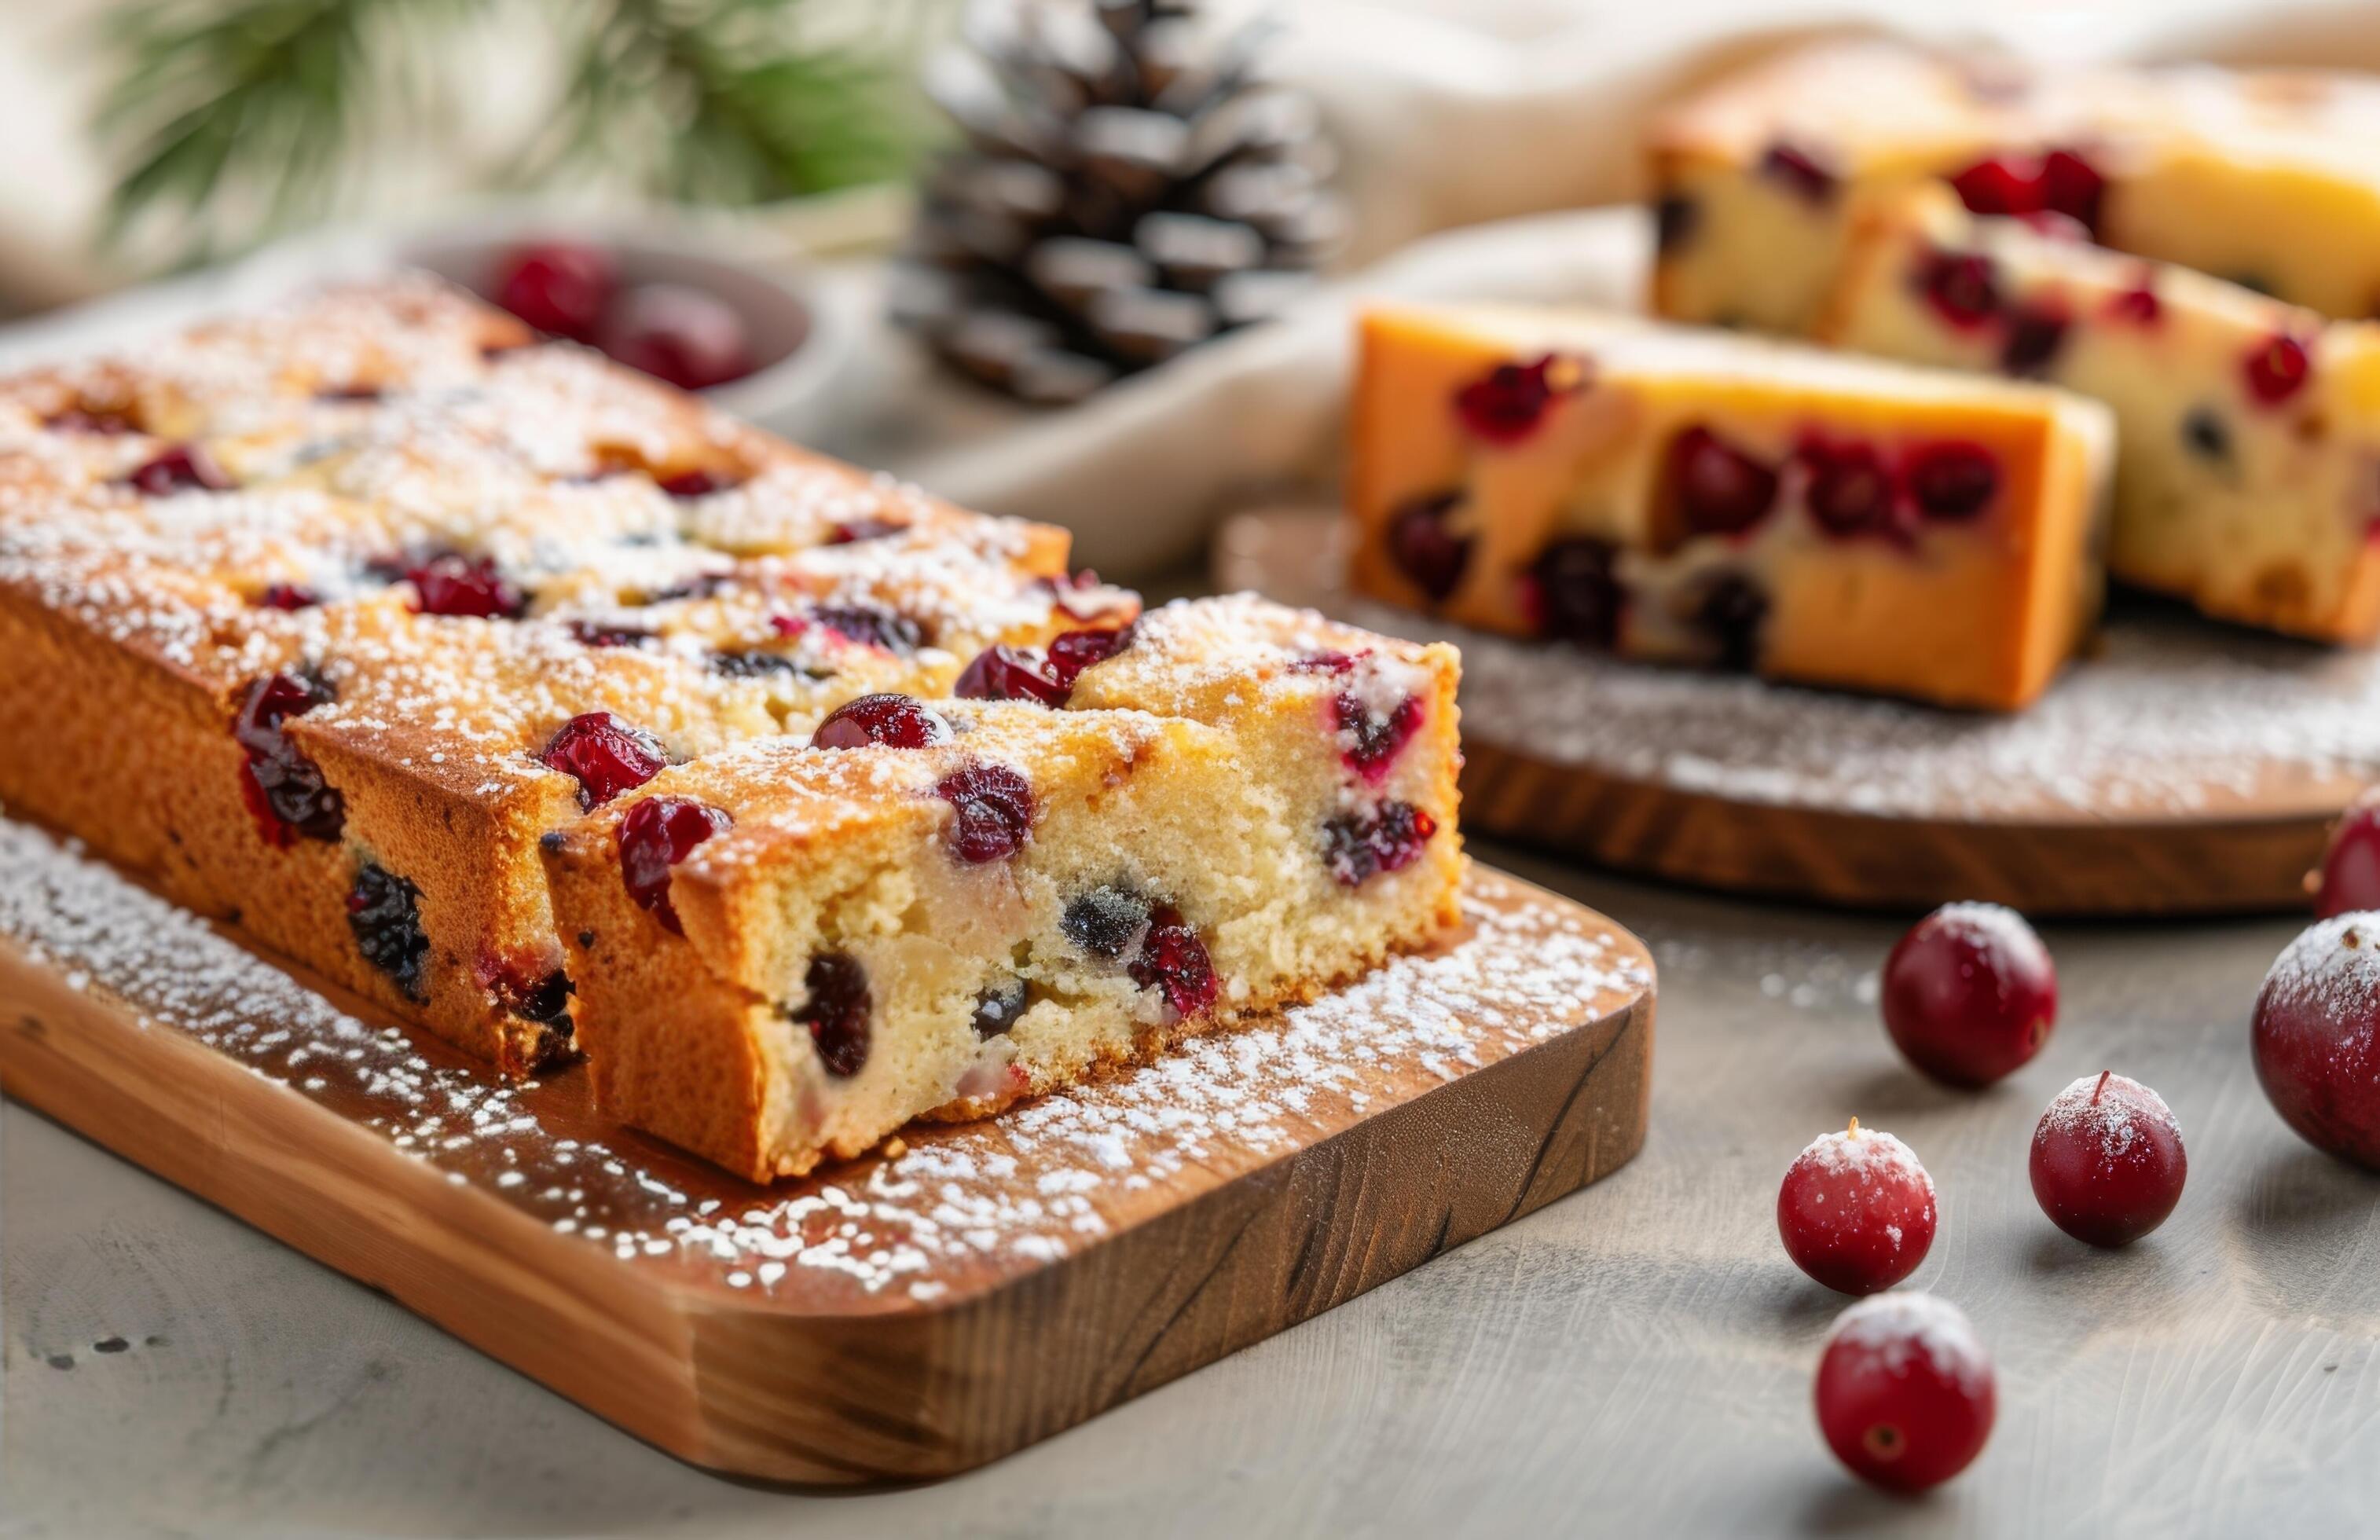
x=2248, y=450
x=1693, y=496
x=786, y=950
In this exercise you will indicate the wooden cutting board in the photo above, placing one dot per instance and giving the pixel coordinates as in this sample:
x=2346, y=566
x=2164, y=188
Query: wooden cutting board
x=2181, y=768
x=906, y=1316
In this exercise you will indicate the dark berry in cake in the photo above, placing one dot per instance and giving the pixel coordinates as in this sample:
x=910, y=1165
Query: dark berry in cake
x=1851, y=490
x=852, y=531
x=870, y=627
x=560, y=287
x=385, y=913
x=836, y=1011
x=2202, y=430
x=588, y=633
x=1675, y=217
x=544, y=999
x=2138, y=305
x=1423, y=544
x=1797, y=169
x=696, y=483
x=893, y=721
x=752, y=662
x=993, y=812
x=997, y=1007
x=284, y=789
x=1370, y=740
x=1106, y=921
x=1322, y=660
x=605, y=755
x=2072, y=186
x=1073, y=652
x=2277, y=369
x=1173, y=961
x=454, y=584
x=677, y=335
x=1000, y=673
x=2349, y=877
x=1961, y=286
x=1952, y=481
x=658, y=833
x=2035, y=332
x=1572, y=594
x=1730, y=614
x=1717, y=488
x=287, y=595
x=1504, y=406
x=2004, y=184
x=182, y=468
x=1357, y=847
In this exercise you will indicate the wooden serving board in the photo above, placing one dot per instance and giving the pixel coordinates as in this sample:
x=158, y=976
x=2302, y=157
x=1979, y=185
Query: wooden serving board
x=906, y=1316
x=2182, y=768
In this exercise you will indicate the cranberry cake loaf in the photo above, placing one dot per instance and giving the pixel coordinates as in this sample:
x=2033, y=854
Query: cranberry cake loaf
x=788, y=950
x=1688, y=495
x=2270, y=179
x=2247, y=452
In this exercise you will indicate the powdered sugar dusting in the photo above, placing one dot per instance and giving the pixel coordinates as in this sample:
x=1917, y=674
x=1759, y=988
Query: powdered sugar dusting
x=2114, y=1118
x=1897, y=1327
x=2332, y=970
x=1867, y=1155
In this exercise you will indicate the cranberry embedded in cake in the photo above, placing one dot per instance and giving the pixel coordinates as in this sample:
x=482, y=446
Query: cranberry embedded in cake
x=287, y=597
x=871, y=627
x=1505, y=405
x=837, y=1011
x=1953, y=481
x=1961, y=286
x=454, y=584
x=1791, y=166
x=385, y=913
x=1106, y=921
x=700, y=481
x=1849, y=491
x=182, y=468
x=285, y=791
x=1002, y=673
x=1572, y=593
x=2035, y=332
x=2277, y=369
x=1073, y=652
x=1374, y=724
x=1174, y=961
x=1359, y=846
x=1423, y=546
x=604, y=754
x=992, y=812
x=1719, y=488
x=658, y=833
x=893, y=721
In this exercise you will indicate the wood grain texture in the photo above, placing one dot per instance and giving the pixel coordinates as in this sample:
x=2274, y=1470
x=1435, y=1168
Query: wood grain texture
x=516, y=1237
x=2221, y=847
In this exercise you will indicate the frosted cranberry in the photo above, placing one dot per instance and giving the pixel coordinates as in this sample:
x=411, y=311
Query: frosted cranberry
x=1010, y=673
x=560, y=287
x=1073, y=652
x=658, y=833
x=287, y=595
x=1572, y=593
x=1173, y=961
x=1850, y=489
x=1720, y=489
x=1730, y=614
x=997, y=1008
x=1105, y=922
x=2035, y=332
x=2277, y=369
x=604, y=754
x=1963, y=286
x=2351, y=862
x=183, y=467
x=1952, y=481
x=384, y=916
x=2138, y=305
x=2072, y=186
x=1798, y=170
x=588, y=633
x=1357, y=847
x=1969, y=993
x=453, y=583
x=871, y=627
x=1326, y=659
x=893, y=721
x=1905, y=1391
x=677, y=335
x=1423, y=544
x=2107, y=1164
x=1675, y=218
x=836, y=1011
x=1856, y=1210
x=2000, y=185
x=698, y=482
x=1369, y=740
x=993, y=809
x=2316, y=1037
x=852, y=531
x=1505, y=405
x=283, y=790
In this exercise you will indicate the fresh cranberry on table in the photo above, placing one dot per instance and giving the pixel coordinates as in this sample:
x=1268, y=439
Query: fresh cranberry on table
x=561, y=287
x=1905, y=1391
x=893, y=721
x=658, y=833
x=2107, y=1164
x=677, y=335
x=1970, y=994
x=1856, y=1210
x=2316, y=1037
x=2349, y=877
x=605, y=755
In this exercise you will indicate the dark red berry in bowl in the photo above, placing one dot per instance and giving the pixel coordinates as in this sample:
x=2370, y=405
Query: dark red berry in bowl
x=285, y=791
x=1073, y=652
x=2277, y=369
x=2001, y=185
x=1372, y=733
x=2316, y=1037
x=1905, y=1391
x=182, y=468
x=893, y=720
x=1359, y=846
x=604, y=754
x=658, y=833
x=384, y=916
x=1856, y=1210
x=1969, y=993
x=836, y=1010
x=1717, y=488
x=2035, y=334
x=1423, y=544
x=1851, y=490
x=1572, y=593
x=2107, y=1164
x=1963, y=286
x=453, y=583
x=1173, y=961
x=992, y=812
x=1000, y=673
x=677, y=335
x=1800, y=171
x=1952, y=481
x=1504, y=406
x=561, y=287
x=2349, y=878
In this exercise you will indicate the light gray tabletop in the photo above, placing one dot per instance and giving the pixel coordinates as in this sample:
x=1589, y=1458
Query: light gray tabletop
x=1634, y=1359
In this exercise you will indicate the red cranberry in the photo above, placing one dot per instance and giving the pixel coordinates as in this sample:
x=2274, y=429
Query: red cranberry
x=1173, y=961
x=287, y=595
x=2107, y=1164
x=836, y=1011
x=1357, y=847
x=1962, y=287
x=1010, y=673
x=604, y=754
x=1423, y=546
x=677, y=335
x=658, y=833
x=1073, y=652
x=1856, y=1210
x=870, y=626
x=1369, y=740
x=2072, y=186
x=2003, y=184
x=2035, y=332
x=1719, y=489
x=1969, y=993
x=852, y=531
x=2138, y=305
x=1905, y=1391
x=1798, y=170
x=2350, y=864
x=561, y=287
x=993, y=812
x=1326, y=660
x=588, y=633
x=453, y=583
x=1505, y=405
x=1953, y=482
x=283, y=790
x=183, y=467
x=1850, y=489
x=1572, y=594
x=698, y=482
x=2277, y=369
x=385, y=916
x=893, y=721
x=2316, y=1037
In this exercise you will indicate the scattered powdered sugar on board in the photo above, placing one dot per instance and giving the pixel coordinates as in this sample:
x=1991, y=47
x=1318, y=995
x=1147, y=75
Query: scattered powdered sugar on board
x=958, y=1202
x=1896, y=1324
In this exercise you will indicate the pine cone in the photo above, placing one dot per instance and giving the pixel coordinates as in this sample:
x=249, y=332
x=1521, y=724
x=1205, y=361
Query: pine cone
x=1128, y=189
